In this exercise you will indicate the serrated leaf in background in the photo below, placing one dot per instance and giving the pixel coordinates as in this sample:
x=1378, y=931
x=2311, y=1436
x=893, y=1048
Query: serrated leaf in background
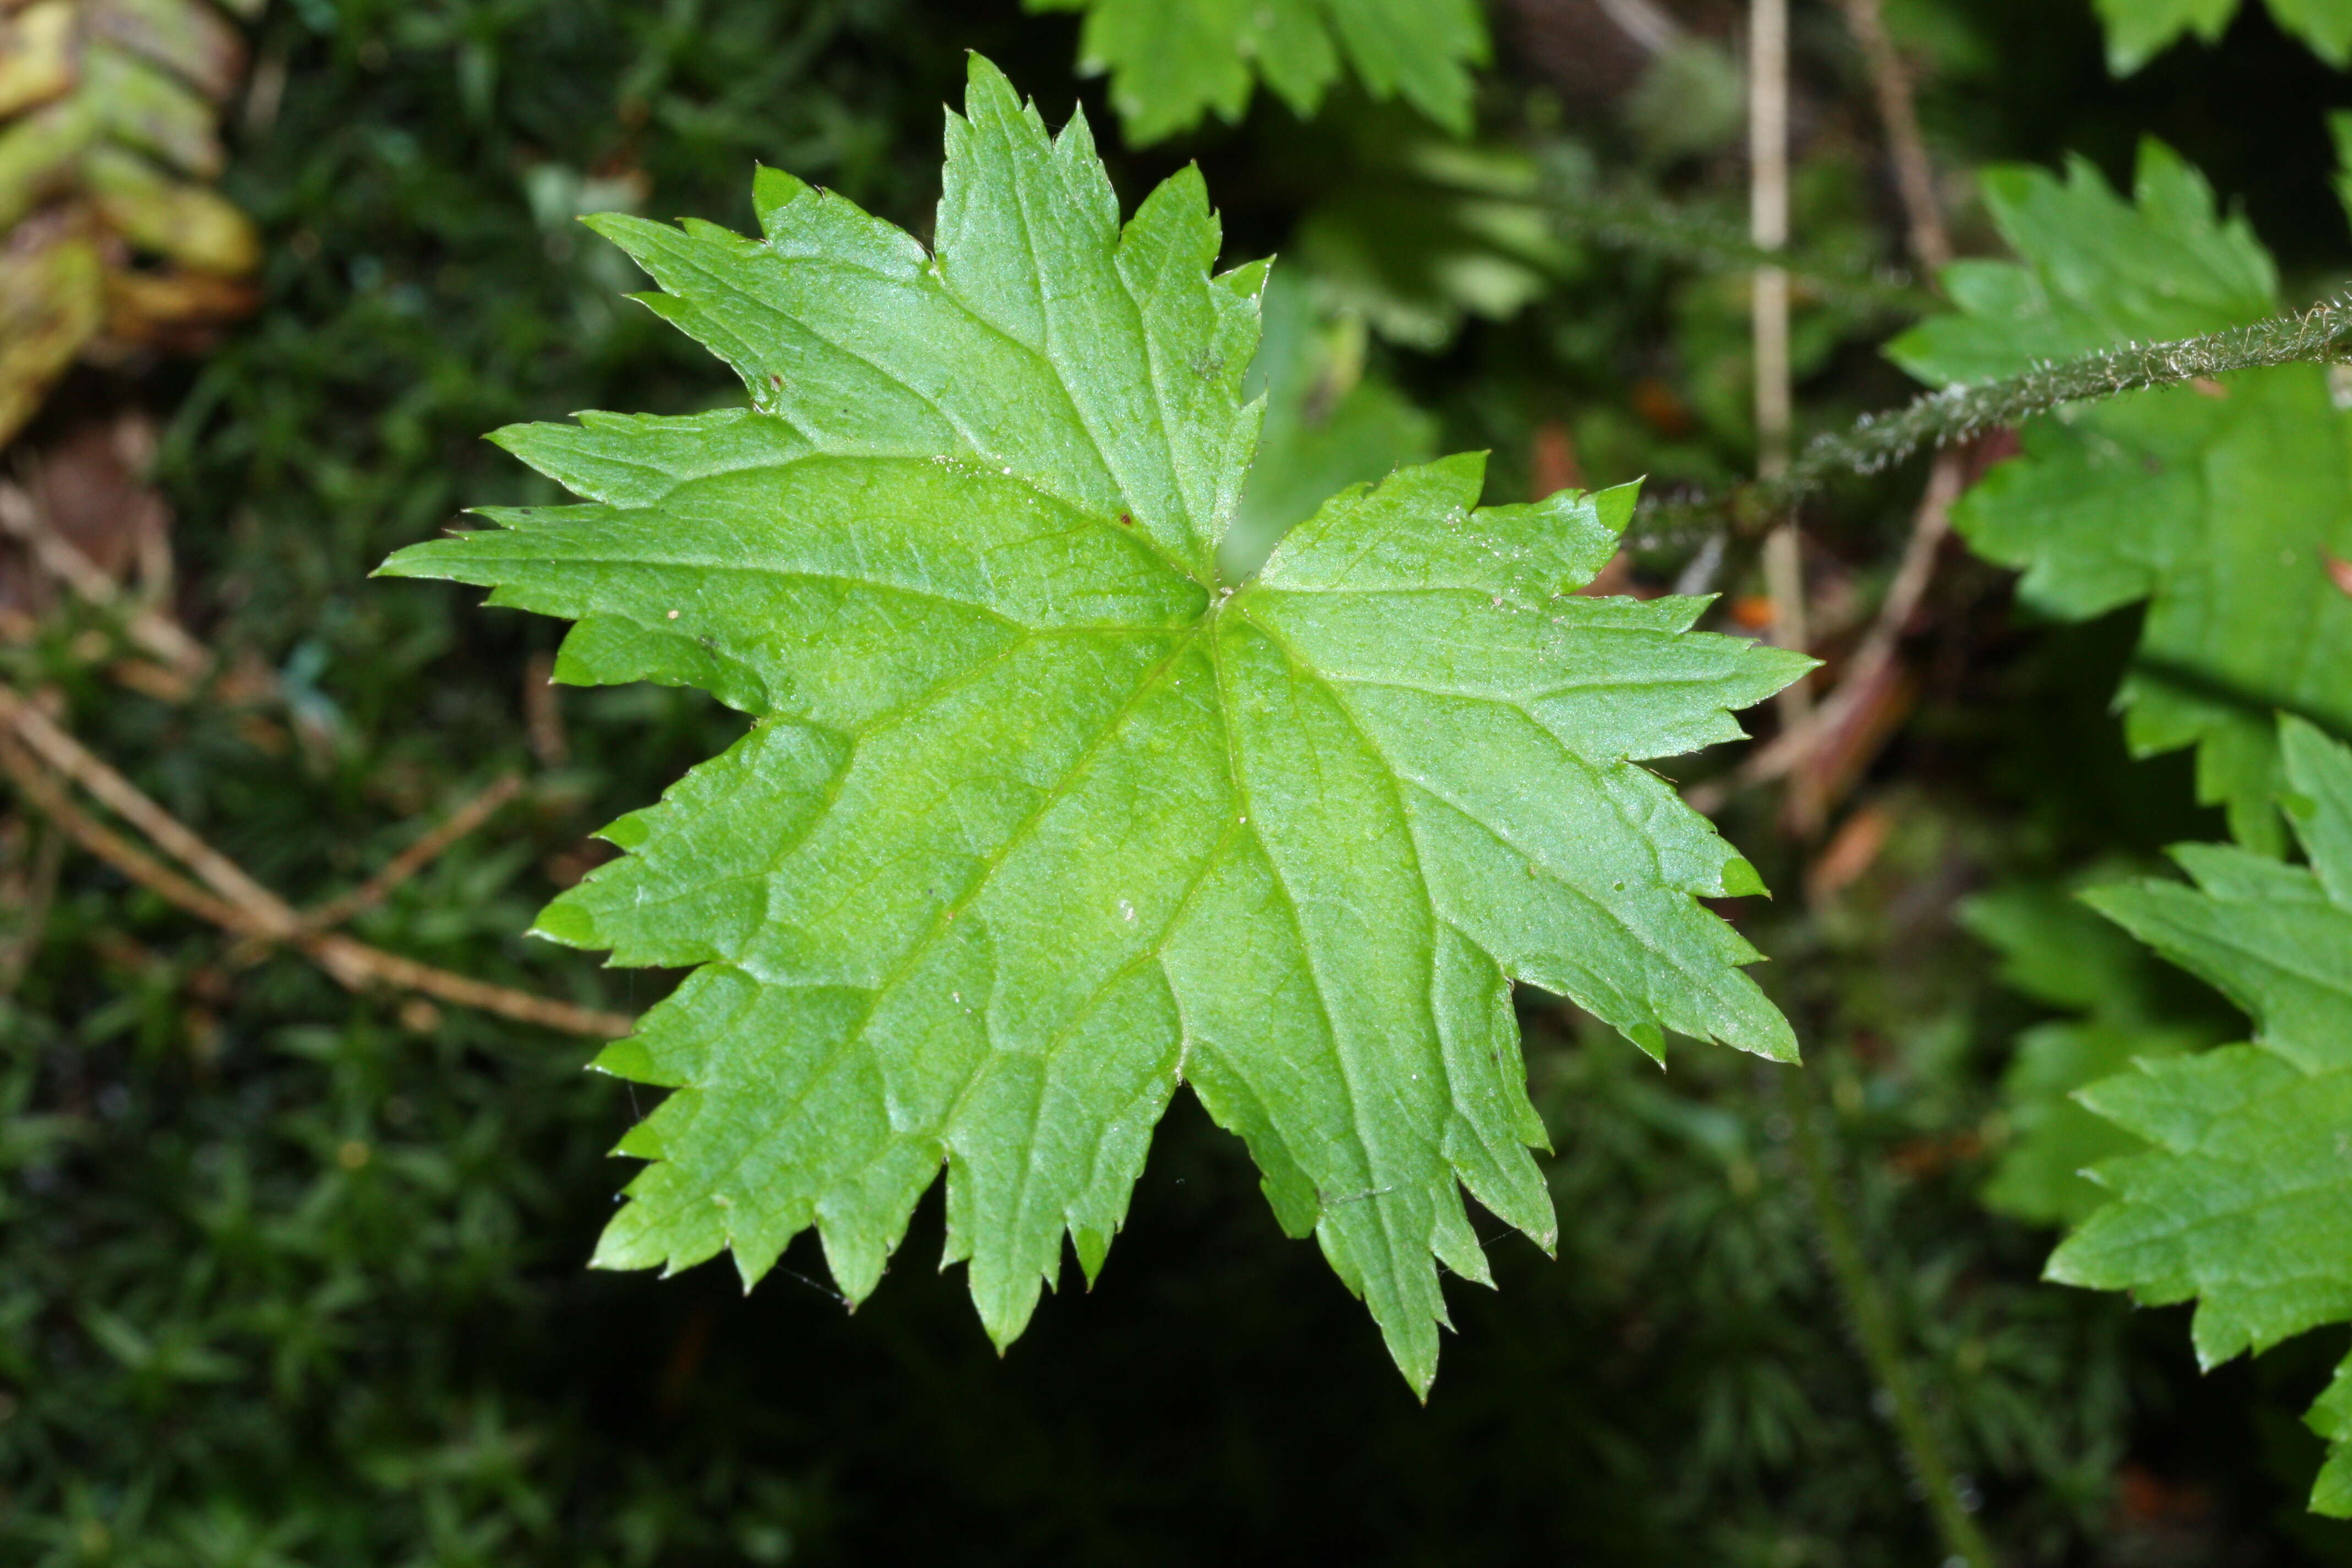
x=112, y=239
x=1040, y=816
x=2056, y=950
x=2244, y=1203
x=1172, y=62
x=2139, y=30
x=1481, y=244
x=2220, y=504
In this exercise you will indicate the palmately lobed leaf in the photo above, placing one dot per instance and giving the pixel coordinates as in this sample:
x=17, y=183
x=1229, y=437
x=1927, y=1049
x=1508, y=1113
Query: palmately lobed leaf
x=2220, y=504
x=1038, y=817
x=2243, y=1201
x=1172, y=62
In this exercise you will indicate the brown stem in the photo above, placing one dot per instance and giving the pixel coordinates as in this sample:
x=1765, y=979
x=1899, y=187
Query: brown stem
x=42, y=790
x=264, y=910
x=414, y=859
x=1929, y=524
x=1768, y=222
x=33, y=913
x=1915, y=176
x=48, y=756
x=55, y=554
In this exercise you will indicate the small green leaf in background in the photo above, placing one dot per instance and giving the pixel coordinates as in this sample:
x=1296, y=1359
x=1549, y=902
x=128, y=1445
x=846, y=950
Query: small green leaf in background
x=1328, y=424
x=1041, y=816
x=2056, y=950
x=2339, y=130
x=1174, y=61
x=2244, y=1203
x=1480, y=244
x=2139, y=30
x=2220, y=504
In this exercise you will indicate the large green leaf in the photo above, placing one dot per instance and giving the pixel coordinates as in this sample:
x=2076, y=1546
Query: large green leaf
x=1040, y=816
x=2139, y=30
x=1174, y=61
x=2244, y=1203
x=2220, y=504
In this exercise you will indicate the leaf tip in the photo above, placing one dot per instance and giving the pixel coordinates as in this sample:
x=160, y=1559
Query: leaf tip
x=626, y=1058
x=1741, y=879
x=1614, y=506
x=1093, y=1249
x=982, y=77
x=567, y=922
x=420, y=559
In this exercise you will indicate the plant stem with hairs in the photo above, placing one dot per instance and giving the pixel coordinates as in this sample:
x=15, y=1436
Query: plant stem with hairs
x=1878, y=441
x=1875, y=1334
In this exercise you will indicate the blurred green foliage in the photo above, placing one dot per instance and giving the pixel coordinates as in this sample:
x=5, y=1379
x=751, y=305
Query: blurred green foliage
x=2131, y=1007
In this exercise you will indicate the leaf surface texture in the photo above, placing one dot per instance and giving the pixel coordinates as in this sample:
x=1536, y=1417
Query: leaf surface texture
x=1039, y=817
x=2244, y=1200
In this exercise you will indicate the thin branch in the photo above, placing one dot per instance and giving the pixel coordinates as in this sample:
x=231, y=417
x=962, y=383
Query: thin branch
x=391, y=969
x=542, y=712
x=39, y=895
x=1914, y=176
x=48, y=755
x=1794, y=747
x=55, y=554
x=1967, y=409
x=1768, y=225
x=264, y=910
x=1960, y=412
x=1845, y=732
x=414, y=859
x=40, y=787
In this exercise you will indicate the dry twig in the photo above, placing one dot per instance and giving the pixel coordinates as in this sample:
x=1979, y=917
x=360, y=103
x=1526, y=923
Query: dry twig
x=237, y=904
x=1914, y=176
x=55, y=555
x=42, y=735
x=414, y=859
x=33, y=897
x=1768, y=221
x=1874, y=657
x=542, y=712
x=1849, y=726
x=40, y=787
